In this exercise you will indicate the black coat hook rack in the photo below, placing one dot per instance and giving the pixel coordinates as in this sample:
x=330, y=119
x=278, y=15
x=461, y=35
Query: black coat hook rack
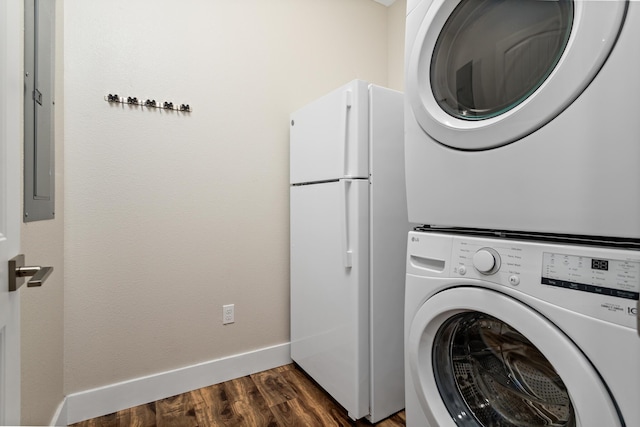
x=148, y=103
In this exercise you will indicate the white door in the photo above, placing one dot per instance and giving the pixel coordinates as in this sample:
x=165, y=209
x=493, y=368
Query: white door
x=483, y=358
x=329, y=288
x=10, y=167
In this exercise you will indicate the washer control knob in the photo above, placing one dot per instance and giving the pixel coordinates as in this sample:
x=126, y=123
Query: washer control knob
x=486, y=261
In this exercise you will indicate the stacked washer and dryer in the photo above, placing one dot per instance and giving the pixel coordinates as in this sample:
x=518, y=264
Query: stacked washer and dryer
x=522, y=146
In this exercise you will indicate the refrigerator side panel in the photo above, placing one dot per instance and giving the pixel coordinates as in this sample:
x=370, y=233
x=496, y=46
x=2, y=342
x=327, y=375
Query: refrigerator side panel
x=389, y=229
x=329, y=137
x=329, y=288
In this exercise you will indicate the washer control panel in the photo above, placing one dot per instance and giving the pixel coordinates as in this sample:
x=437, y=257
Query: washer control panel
x=502, y=262
x=599, y=282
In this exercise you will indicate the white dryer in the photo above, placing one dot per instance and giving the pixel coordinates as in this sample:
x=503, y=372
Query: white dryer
x=506, y=332
x=527, y=111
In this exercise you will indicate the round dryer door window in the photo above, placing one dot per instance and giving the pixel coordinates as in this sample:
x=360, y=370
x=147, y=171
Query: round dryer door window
x=485, y=73
x=492, y=55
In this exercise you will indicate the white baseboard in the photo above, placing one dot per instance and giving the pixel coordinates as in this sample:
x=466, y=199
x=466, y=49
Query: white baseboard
x=116, y=397
x=60, y=417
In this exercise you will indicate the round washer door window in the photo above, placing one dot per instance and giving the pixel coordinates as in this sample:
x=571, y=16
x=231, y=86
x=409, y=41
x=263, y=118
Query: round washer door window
x=479, y=358
x=485, y=73
x=494, y=376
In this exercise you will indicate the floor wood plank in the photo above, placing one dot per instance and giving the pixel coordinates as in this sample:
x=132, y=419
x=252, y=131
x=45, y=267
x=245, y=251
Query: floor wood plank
x=294, y=413
x=280, y=397
x=138, y=416
x=110, y=420
x=176, y=411
x=283, y=368
x=396, y=420
x=312, y=405
x=274, y=387
x=212, y=406
x=248, y=415
x=248, y=403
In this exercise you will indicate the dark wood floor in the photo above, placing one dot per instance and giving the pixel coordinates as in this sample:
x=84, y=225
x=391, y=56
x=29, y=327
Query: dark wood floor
x=279, y=397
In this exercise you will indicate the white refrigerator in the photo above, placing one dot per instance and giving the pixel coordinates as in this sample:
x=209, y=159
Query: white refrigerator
x=348, y=246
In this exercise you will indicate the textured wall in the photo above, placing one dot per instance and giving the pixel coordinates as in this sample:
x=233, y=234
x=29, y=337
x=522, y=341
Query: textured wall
x=397, y=16
x=169, y=216
x=42, y=309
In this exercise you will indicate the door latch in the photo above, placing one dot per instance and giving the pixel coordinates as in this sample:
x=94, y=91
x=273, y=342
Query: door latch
x=37, y=96
x=18, y=271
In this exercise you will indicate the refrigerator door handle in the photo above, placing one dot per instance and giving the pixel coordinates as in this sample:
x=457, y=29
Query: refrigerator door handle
x=347, y=254
x=345, y=147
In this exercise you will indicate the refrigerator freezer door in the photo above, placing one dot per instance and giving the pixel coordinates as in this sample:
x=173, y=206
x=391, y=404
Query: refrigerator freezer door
x=329, y=288
x=329, y=137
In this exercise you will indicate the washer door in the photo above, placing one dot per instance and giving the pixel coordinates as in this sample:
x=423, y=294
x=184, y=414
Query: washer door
x=479, y=358
x=484, y=73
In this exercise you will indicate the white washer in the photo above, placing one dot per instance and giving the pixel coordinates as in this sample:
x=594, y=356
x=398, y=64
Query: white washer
x=527, y=111
x=505, y=332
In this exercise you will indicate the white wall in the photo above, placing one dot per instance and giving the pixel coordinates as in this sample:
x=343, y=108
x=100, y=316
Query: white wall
x=396, y=21
x=169, y=216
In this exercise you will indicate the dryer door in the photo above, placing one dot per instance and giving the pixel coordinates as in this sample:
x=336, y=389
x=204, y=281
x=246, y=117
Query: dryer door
x=484, y=73
x=482, y=359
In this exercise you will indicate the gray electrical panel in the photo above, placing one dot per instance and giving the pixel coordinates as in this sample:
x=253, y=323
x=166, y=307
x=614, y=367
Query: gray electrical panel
x=39, y=66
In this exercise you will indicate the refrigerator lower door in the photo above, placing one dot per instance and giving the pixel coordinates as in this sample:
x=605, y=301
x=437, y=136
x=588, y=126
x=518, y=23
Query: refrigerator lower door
x=329, y=288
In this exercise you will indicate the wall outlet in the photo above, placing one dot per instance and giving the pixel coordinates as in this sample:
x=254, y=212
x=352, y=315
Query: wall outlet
x=228, y=315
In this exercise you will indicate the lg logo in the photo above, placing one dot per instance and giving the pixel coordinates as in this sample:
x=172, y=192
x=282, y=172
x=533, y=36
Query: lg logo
x=632, y=311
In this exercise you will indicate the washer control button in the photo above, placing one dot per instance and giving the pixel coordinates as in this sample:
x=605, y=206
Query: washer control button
x=462, y=270
x=514, y=280
x=486, y=261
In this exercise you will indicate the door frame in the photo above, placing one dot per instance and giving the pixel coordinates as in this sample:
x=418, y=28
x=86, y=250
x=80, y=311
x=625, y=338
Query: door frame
x=11, y=85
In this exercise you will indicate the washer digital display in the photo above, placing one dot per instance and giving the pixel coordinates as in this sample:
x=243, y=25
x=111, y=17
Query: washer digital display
x=600, y=264
x=618, y=278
